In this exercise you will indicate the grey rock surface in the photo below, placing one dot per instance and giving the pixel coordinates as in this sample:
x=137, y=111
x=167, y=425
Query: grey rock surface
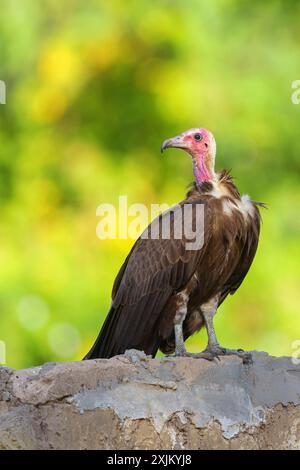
x=136, y=402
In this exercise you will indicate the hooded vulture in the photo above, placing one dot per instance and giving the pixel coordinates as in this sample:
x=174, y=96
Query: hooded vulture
x=168, y=287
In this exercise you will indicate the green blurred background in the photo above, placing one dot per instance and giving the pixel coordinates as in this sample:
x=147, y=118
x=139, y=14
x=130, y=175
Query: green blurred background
x=93, y=87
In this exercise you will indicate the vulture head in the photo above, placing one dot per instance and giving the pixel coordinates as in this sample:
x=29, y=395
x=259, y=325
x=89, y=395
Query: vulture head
x=201, y=145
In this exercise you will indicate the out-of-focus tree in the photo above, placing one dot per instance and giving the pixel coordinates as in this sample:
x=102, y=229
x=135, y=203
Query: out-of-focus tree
x=92, y=89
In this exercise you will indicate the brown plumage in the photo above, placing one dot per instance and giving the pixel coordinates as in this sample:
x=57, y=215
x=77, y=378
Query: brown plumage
x=163, y=284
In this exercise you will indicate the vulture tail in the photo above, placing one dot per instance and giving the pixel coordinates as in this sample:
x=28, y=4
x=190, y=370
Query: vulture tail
x=111, y=343
x=104, y=345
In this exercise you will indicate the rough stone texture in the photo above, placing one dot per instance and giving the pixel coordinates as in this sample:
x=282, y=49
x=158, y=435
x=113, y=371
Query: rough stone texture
x=135, y=402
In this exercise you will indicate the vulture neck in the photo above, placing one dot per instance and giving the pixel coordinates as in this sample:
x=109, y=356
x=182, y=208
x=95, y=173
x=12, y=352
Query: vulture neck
x=204, y=168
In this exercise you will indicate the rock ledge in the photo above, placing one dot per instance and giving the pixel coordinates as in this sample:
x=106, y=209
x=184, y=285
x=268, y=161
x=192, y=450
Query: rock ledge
x=135, y=402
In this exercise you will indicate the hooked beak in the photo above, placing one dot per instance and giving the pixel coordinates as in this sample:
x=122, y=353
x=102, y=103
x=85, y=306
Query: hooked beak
x=174, y=142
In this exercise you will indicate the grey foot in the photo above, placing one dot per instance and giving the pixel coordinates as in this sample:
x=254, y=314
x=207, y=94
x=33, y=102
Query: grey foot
x=217, y=351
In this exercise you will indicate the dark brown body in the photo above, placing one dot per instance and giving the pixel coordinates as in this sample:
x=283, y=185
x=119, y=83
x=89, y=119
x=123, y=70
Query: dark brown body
x=145, y=292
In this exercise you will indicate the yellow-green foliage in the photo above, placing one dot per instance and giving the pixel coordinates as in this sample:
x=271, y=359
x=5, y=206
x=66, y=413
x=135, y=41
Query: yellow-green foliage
x=93, y=87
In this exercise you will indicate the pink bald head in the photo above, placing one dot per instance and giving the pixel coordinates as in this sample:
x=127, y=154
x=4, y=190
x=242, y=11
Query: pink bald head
x=201, y=145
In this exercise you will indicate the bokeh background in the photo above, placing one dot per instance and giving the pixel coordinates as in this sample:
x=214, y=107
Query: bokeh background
x=93, y=87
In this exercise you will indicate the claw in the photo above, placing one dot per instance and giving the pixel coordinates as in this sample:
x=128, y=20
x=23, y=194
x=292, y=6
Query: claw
x=247, y=358
x=244, y=355
x=202, y=355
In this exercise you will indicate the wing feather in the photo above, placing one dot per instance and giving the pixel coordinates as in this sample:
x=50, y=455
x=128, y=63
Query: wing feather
x=153, y=271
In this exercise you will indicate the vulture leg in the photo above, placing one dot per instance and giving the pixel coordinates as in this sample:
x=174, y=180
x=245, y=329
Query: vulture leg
x=181, y=311
x=209, y=310
x=213, y=349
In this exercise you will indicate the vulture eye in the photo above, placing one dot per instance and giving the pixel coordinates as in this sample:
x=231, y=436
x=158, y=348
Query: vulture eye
x=198, y=137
